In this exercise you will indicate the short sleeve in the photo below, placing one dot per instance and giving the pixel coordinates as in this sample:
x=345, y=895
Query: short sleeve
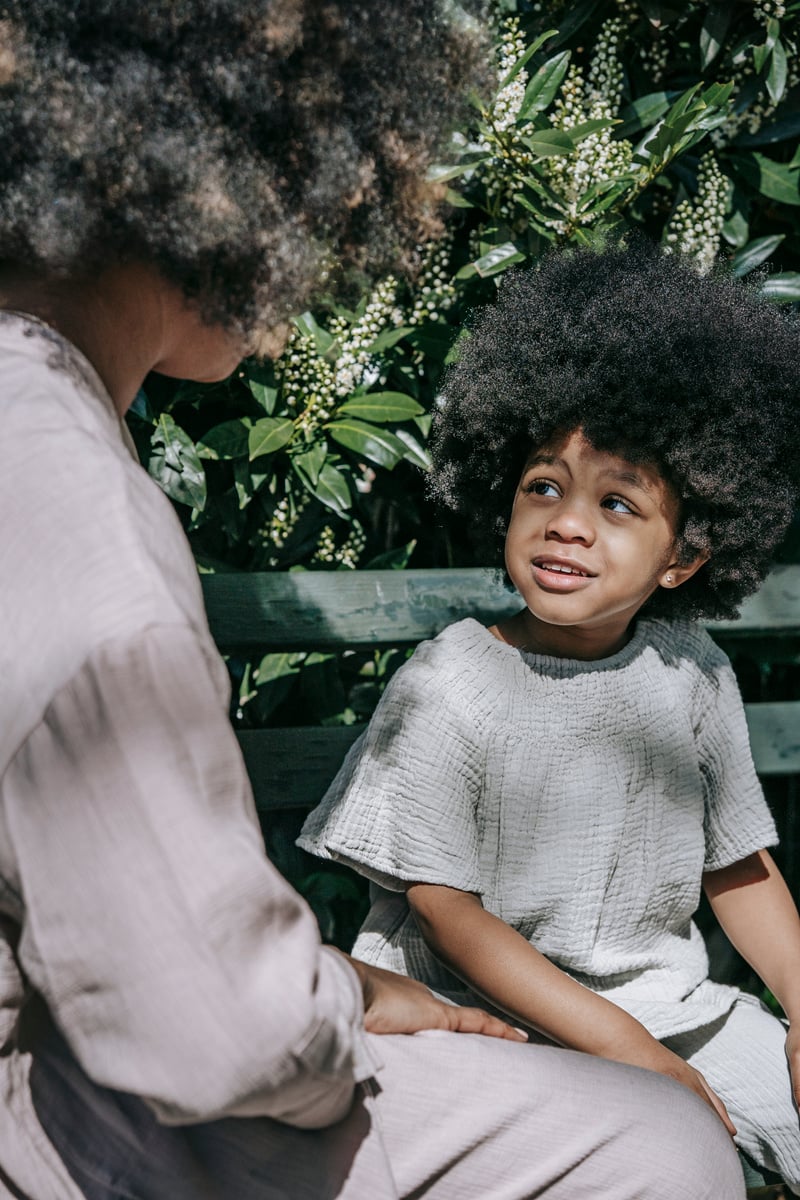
x=737, y=819
x=403, y=806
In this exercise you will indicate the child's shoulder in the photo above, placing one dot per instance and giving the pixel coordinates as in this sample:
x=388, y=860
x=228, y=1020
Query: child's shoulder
x=465, y=645
x=684, y=643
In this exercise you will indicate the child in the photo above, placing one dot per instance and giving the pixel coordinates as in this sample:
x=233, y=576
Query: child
x=540, y=803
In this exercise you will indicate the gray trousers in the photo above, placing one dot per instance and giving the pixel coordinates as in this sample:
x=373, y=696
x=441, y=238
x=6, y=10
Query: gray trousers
x=449, y=1117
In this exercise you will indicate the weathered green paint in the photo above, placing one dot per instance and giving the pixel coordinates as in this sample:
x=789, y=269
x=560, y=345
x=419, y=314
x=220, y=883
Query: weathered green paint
x=325, y=610
x=292, y=768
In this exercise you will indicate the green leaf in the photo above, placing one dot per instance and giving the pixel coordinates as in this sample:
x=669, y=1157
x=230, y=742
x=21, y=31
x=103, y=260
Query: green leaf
x=541, y=90
x=378, y=445
x=243, y=482
x=382, y=407
x=456, y=200
x=778, y=70
x=228, y=440
x=387, y=339
x=644, y=112
x=276, y=666
x=784, y=288
x=578, y=132
x=546, y=142
x=776, y=180
x=141, y=407
x=777, y=131
x=736, y=229
x=574, y=18
x=309, y=464
x=714, y=31
x=498, y=259
x=433, y=339
x=175, y=464
x=266, y=396
x=754, y=253
x=442, y=172
x=414, y=452
x=760, y=56
x=332, y=490
x=392, y=560
x=268, y=435
x=309, y=328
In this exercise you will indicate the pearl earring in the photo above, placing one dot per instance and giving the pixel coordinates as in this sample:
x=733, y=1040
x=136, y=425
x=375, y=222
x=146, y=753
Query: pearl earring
x=669, y=579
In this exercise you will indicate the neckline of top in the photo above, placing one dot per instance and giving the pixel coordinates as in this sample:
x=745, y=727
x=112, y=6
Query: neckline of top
x=69, y=356
x=552, y=664
x=49, y=333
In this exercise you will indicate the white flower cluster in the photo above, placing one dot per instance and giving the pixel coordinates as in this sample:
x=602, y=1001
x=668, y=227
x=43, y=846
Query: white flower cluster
x=281, y=525
x=605, y=73
x=694, y=228
x=313, y=384
x=508, y=101
x=655, y=58
x=759, y=110
x=434, y=291
x=766, y=10
x=347, y=554
x=355, y=366
x=598, y=157
x=309, y=383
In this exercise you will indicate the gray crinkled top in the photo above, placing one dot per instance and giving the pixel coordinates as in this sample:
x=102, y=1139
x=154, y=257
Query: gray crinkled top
x=581, y=800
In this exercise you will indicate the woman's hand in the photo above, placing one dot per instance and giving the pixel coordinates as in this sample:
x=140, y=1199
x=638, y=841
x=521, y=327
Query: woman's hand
x=397, y=1004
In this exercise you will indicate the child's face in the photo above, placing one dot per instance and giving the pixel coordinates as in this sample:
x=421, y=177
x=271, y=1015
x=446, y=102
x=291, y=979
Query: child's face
x=591, y=537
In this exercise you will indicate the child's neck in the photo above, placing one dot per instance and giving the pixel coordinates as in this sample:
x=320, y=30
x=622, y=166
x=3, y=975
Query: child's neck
x=527, y=632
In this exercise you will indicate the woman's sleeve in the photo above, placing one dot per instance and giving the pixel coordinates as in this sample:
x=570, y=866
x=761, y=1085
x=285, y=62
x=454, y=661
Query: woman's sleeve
x=737, y=819
x=403, y=806
x=176, y=961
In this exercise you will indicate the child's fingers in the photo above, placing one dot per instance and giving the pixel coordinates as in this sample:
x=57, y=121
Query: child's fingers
x=718, y=1106
x=475, y=1020
x=793, y=1055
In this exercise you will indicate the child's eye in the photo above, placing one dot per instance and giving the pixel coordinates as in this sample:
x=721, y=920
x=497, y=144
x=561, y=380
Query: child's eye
x=617, y=504
x=541, y=487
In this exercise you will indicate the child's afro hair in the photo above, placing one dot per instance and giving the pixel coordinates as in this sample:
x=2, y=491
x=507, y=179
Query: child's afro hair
x=237, y=145
x=696, y=375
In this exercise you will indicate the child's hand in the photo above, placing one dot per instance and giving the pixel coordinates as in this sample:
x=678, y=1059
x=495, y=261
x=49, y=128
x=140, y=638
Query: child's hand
x=666, y=1063
x=397, y=1004
x=793, y=1055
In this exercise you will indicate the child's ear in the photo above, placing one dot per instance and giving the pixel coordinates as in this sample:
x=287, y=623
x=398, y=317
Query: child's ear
x=678, y=572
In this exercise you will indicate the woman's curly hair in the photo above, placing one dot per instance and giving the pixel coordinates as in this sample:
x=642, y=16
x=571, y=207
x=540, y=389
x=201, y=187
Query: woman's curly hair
x=698, y=376
x=237, y=145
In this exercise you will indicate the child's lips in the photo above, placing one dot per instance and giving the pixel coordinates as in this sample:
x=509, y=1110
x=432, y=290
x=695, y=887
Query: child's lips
x=560, y=574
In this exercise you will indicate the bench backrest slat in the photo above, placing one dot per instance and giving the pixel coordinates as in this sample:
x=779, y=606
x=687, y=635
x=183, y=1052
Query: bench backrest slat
x=334, y=610
x=316, y=610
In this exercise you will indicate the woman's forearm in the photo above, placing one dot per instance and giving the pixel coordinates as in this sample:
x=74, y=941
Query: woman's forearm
x=755, y=909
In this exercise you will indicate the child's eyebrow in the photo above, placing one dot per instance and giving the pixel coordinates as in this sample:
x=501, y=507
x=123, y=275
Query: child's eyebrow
x=631, y=478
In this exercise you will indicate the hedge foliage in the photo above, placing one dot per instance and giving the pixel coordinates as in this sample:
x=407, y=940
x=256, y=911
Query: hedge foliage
x=677, y=118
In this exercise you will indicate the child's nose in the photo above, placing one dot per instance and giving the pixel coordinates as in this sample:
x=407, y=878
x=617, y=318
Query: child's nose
x=571, y=522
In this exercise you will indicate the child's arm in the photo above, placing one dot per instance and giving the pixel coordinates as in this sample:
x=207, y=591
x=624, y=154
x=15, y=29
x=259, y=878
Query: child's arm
x=499, y=964
x=754, y=907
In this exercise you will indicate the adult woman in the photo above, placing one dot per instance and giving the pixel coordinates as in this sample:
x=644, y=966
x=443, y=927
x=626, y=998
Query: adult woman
x=174, y=175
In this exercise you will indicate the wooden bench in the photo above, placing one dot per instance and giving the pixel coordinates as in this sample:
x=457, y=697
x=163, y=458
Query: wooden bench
x=254, y=614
